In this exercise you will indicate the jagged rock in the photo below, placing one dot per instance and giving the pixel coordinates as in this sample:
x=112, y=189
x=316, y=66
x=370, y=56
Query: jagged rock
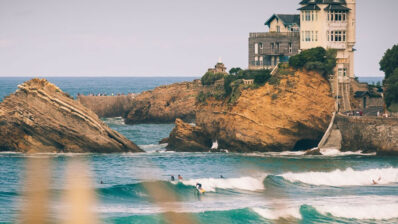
x=313, y=152
x=164, y=141
x=165, y=103
x=187, y=138
x=108, y=106
x=39, y=117
x=291, y=114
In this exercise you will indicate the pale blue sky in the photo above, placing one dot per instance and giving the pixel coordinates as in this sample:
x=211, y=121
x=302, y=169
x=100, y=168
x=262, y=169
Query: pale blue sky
x=157, y=37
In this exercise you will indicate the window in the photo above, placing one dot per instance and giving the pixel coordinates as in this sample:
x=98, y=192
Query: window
x=312, y=36
x=256, y=48
x=272, y=47
x=328, y=34
x=307, y=36
x=337, y=16
x=260, y=45
x=316, y=36
x=337, y=36
x=290, y=48
x=307, y=16
x=277, y=47
x=278, y=29
x=345, y=72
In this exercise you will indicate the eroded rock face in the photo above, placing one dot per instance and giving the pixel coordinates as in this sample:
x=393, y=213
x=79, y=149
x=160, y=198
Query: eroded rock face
x=108, y=106
x=187, y=138
x=165, y=103
x=291, y=115
x=39, y=117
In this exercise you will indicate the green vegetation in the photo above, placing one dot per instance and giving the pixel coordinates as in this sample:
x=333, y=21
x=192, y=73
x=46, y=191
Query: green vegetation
x=234, y=71
x=210, y=78
x=389, y=65
x=391, y=95
x=315, y=59
x=389, y=62
x=260, y=77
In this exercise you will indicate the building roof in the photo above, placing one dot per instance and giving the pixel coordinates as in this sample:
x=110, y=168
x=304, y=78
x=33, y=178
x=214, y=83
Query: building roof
x=336, y=8
x=310, y=7
x=304, y=2
x=287, y=19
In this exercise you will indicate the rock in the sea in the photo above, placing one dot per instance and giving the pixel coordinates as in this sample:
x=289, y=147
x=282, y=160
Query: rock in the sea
x=165, y=103
x=108, y=106
x=39, y=117
x=289, y=114
x=187, y=138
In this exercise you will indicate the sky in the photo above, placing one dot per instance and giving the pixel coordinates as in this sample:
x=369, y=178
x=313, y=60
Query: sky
x=158, y=37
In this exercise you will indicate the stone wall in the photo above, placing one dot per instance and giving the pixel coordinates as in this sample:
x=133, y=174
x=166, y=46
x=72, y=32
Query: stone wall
x=369, y=134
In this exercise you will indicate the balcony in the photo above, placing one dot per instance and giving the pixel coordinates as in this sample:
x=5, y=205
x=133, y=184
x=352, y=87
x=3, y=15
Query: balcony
x=337, y=45
x=338, y=25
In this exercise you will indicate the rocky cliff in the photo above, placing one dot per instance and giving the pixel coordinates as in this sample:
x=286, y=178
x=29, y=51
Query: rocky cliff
x=108, y=106
x=39, y=117
x=369, y=134
x=292, y=113
x=165, y=104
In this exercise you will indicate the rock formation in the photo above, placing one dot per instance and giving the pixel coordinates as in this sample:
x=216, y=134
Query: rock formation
x=289, y=114
x=165, y=103
x=108, y=106
x=187, y=138
x=39, y=117
x=369, y=134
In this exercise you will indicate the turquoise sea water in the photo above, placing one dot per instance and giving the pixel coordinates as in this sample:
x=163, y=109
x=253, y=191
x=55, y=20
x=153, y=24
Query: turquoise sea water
x=256, y=188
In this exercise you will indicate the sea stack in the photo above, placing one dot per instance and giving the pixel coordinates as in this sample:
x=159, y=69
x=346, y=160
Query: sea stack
x=39, y=117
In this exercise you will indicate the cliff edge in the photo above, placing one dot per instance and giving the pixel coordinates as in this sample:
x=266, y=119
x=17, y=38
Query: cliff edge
x=165, y=104
x=290, y=113
x=39, y=117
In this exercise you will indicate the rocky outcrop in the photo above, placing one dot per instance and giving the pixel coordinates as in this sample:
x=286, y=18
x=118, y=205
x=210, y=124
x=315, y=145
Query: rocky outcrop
x=187, y=138
x=39, y=117
x=292, y=113
x=369, y=134
x=165, y=103
x=108, y=106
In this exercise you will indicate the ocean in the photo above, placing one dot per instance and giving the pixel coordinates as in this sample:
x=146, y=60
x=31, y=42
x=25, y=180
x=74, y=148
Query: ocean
x=254, y=188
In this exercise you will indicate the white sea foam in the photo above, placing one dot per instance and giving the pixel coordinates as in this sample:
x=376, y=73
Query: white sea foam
x=241, y=183
x=361, y=211
x=215, y=145
x=336, y=152
x=114, y=121
x=275, y=214
x=348, y=177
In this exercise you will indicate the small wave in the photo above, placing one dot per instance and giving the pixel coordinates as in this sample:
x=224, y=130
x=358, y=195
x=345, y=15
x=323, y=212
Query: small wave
x=336, y=152
x=275, y=214
x=348, y=177
x=364, y=211
x=240, y=183
x=114, y=121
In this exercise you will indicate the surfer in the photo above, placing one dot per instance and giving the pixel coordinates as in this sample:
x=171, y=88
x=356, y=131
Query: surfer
x=172, y=178
x=179, y=177
x=221, y=176
x=376, y=182
x=199, y=188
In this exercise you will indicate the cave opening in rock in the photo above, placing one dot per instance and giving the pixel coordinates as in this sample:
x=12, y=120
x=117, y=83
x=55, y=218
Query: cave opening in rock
x=305, y=144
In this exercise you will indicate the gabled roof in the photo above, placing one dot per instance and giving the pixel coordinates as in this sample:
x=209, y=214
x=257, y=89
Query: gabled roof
x=287, y=19
x=304, y=2
x=310, y=7
x=336, y=7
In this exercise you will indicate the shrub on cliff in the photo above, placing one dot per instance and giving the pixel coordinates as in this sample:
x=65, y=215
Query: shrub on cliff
x=391, y=95
x=210, y=78
x=260, y=77
x=389, y=62
x=315, y=59
x=234, y=71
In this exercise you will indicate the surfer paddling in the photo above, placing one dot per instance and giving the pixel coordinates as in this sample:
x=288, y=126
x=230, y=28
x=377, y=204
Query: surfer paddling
x=376, y=182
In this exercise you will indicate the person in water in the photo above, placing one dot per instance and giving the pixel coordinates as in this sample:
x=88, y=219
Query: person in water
x=199, y=188
x=179, y=177
x=376, y=182
x=221, y=176
x=172, y=178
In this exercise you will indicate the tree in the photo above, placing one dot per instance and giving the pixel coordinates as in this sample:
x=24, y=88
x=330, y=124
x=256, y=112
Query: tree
x=235, y=71
x=315, y=59
x=391, y=95
x=389, y=62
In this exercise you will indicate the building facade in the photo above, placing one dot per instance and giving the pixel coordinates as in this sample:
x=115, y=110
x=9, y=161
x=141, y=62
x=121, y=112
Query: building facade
x=267, y=49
